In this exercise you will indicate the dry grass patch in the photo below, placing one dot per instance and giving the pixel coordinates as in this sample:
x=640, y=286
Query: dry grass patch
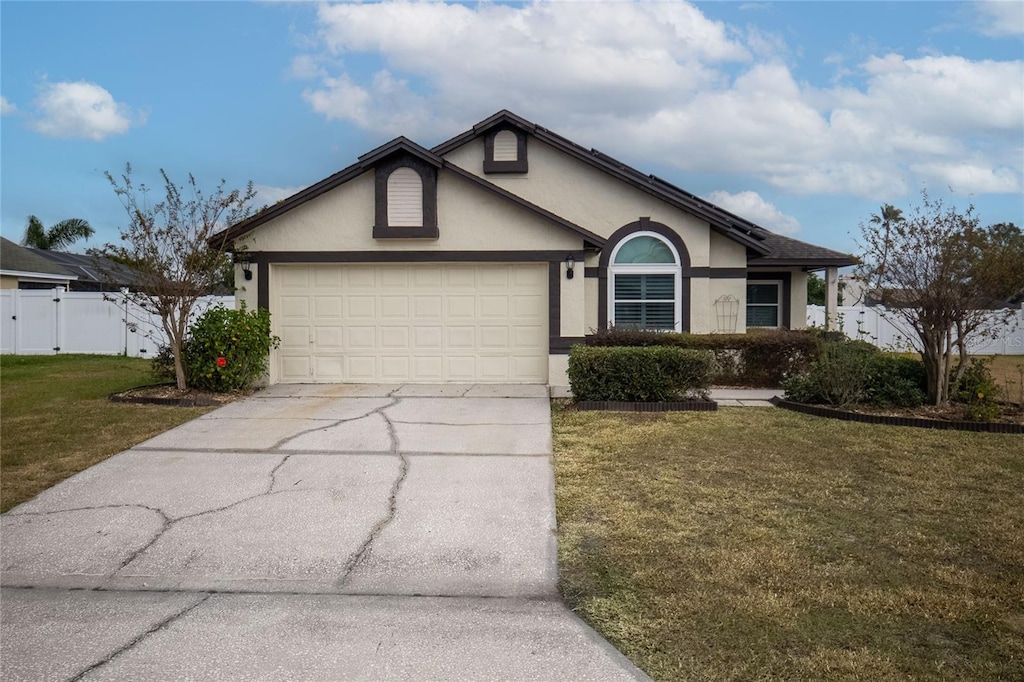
x=756, y=544
x=55, y=419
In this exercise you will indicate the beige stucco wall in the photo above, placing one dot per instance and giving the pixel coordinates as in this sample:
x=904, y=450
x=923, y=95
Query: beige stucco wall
x=737, y=288
x=8, y=282
x=573, y=302
x=726, y=253
x=587, y=196
x=798, y=300
x=468, y=218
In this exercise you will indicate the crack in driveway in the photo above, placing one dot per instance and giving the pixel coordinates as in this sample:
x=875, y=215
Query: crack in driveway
x=366, y=547
x=154, y=629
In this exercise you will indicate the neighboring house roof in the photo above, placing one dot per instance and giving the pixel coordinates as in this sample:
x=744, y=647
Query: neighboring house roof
x=97, y=270
x=764, y=247
x=23, y=262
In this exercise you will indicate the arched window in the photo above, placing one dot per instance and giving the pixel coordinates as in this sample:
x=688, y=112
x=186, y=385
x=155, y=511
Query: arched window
x=644, y=289
x=405, y=198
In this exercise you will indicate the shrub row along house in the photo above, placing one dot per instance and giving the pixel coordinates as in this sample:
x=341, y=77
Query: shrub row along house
x=485, y=258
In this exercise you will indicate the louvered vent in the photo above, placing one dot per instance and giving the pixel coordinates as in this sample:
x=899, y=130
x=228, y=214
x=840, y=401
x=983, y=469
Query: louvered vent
x=506, y=146
x=405, y=198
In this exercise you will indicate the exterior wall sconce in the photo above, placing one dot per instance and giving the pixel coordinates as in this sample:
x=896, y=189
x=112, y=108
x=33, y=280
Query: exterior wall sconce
x=246, y=263
x=570, y=264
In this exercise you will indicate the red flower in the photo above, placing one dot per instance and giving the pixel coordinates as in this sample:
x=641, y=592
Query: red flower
x=221, y=362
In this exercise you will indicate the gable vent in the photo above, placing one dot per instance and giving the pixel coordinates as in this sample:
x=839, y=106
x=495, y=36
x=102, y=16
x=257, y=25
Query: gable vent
x=405, y=198
x=506, y=146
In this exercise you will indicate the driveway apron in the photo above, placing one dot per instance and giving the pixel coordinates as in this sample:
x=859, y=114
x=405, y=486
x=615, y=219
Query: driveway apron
x=310, y=532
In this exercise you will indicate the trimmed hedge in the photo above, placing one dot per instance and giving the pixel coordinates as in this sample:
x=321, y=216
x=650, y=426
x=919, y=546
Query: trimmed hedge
x=631, y=373
x=757, y=358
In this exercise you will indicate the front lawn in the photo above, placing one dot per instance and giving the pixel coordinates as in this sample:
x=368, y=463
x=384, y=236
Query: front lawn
x=55, y=419
x=757, y=544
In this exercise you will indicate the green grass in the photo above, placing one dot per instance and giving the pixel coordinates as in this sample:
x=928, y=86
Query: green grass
x=759, y=544
x=55, y=419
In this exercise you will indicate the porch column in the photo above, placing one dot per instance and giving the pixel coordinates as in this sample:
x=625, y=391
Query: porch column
x=831, y=298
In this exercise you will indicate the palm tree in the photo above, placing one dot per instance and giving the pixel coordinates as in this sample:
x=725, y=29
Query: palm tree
x=887, y=216
x=60, y=235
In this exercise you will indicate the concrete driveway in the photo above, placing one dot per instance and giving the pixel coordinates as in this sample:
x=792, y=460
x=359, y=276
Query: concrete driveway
x=311, y=532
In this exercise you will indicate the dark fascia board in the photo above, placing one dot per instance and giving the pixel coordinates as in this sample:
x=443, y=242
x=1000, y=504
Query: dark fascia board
x=399, y=144
x=721, y=221
x=365, y=163
x=806, y=263
x=587, y=235
x=481, y=128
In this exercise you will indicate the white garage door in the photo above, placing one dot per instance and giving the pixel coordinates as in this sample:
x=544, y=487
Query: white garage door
x=422, y=323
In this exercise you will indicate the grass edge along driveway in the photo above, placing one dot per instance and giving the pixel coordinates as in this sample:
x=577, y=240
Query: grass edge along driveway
x=757, y=544
x=56, y=420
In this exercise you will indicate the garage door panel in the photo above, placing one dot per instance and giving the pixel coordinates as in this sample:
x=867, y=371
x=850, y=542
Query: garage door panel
x=427, y=307
x=394, y=337
x=294, y=306
x=394, y=307
x=360, y=368
x=295, y=368
x=363, y=307
x=422, y=322
x=461, y=337
x=428, y=368
x=293, y=337
x=394, y=367
x=360, y=338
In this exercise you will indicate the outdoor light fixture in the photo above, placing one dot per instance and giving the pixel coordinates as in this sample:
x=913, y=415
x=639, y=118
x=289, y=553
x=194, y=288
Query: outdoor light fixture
x=570, y=264
x=246, y=264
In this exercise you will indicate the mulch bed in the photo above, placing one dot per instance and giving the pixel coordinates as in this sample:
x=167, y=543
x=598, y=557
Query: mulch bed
x=169, y=394
x=928, y=417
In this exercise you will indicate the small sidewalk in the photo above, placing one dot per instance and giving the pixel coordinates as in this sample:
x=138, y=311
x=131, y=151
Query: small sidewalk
x=725, y=397
x=744, y=397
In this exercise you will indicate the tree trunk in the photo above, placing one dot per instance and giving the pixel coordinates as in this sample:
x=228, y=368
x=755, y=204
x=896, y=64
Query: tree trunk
x=935, y=356
x=179, y=369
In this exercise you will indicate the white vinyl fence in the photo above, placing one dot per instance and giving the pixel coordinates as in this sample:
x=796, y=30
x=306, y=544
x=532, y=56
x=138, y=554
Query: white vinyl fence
x=886, y=329
x=51, y=321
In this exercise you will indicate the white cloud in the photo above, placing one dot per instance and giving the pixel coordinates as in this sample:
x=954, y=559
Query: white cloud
x=660, y=82
x=972, y=178
x=1000, y=18
x=83, y=110
x=268, y=195
x=6, y=107
x=753, y=207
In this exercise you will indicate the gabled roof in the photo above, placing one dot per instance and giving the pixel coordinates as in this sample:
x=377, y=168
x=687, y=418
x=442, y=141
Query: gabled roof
x=763, y=247
x=16, y=259
x=773, y=249
x=399, y=145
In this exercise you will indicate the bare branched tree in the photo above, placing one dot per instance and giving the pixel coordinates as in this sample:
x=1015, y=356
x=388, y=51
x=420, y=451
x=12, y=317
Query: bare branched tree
x=172, y=247
x=946, y=277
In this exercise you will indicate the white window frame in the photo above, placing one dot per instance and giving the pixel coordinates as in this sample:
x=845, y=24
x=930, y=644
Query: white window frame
x=778, y=316
x=647, y=269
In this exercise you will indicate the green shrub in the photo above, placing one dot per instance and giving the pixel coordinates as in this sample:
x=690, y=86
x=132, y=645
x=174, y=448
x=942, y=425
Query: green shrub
x=840, y=376
x=897, y=381
x=757, y=358
x=161, y=366
x=633, y=373
x=977, y=390
x=227, y=349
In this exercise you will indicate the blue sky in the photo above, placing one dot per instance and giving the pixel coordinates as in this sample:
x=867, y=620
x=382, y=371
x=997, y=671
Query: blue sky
x=803, y=117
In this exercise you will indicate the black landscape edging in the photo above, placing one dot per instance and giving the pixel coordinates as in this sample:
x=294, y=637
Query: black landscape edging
x=630, y=406
x=173, y=402
x=918, y=422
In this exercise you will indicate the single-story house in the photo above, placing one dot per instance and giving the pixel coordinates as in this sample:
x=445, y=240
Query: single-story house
x=94, y=272
x=485, y=258
x=23, y=268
